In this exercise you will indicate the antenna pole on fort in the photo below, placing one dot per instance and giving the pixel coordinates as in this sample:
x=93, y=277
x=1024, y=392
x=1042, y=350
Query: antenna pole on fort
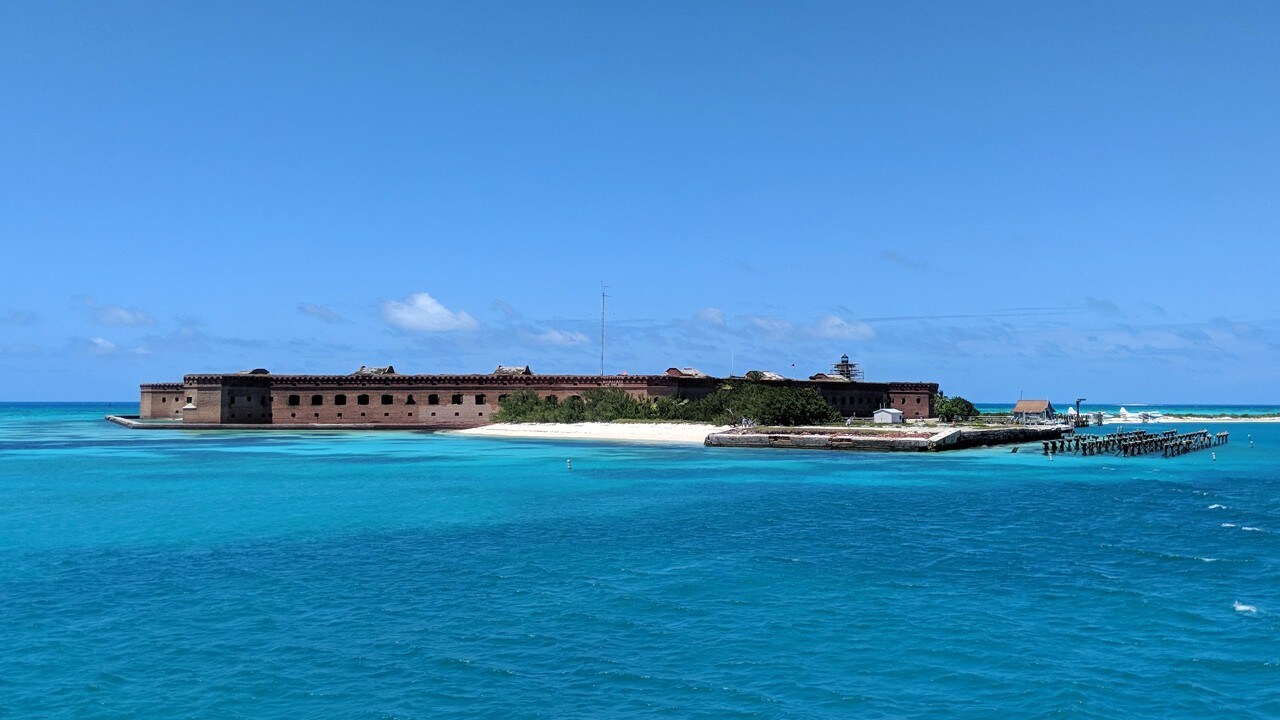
x=602, y=297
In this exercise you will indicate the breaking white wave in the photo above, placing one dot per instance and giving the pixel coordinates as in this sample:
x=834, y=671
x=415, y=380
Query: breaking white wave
x=1247, y=609
x=1216, y=506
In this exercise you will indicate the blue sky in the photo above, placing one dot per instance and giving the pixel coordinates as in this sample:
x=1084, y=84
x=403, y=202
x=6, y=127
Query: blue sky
x=1062, y=200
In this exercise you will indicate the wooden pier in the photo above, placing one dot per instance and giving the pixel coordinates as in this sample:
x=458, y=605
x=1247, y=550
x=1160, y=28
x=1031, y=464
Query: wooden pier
x=1169, y=443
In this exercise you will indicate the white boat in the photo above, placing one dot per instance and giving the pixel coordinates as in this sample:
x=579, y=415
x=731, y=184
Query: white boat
x=1140, y=417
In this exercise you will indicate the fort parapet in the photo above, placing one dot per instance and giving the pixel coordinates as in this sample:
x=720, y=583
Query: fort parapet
x=381, y=397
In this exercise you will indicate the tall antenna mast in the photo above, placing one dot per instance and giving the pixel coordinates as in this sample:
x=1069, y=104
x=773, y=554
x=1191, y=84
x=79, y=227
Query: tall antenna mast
x=602, y=297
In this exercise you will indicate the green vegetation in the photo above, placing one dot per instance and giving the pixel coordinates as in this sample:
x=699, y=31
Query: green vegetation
x=954, y=408
x=727, y=405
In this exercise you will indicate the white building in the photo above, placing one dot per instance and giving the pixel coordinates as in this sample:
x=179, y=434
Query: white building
x=887, y=415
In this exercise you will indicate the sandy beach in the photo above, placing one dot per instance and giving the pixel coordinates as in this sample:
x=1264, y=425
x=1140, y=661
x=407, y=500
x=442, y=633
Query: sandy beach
x=682, y=433
x=696, y=433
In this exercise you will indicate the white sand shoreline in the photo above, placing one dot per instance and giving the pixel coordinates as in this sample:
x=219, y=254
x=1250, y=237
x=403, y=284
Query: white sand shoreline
x=664, y=433
x=1172, y=419
x=696, y=433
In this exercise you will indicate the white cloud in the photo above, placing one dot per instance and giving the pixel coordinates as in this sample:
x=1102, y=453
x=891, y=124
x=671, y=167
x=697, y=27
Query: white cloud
x=102, y=346
x=710, y=316
x=837, y=328
x=552, y=336
x=116, y=316
x=423, y=313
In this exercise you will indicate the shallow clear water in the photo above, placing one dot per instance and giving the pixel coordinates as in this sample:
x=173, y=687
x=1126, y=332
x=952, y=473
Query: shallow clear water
x=159, y=574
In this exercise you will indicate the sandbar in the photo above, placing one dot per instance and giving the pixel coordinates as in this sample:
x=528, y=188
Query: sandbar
x=1173, y=419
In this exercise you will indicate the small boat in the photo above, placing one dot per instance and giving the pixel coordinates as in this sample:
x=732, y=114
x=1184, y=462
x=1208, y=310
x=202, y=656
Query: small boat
x=1140, y=417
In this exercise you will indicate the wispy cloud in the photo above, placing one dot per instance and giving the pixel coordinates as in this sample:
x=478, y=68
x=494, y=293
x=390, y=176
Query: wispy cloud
x=904, y=261
x=320, y=313
x=18, y=317
x=102, y=346
x=827, y=327
x=21, y=350
x=1102, y=307
x=115, y=315
x=772, y=326
x=561, y=338
x=710, y=316
x=506, y=309
x=422, y=313
x=838, y=328
x=1001, y=313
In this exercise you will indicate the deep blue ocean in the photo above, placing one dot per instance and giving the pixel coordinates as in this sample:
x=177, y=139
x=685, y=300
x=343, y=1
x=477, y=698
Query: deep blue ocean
x=175, y=574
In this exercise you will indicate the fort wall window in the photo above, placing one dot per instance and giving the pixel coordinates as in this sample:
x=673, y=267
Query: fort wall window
x=457, y=399
x=410, y=401
x=433, y=399
x=479, y=399
x=387, y=399
x=294, y=400
x=317, y=399
x=362, y=399
x=339, y=400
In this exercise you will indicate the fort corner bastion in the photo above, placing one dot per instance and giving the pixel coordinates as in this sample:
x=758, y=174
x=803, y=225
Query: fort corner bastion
x=382, y=398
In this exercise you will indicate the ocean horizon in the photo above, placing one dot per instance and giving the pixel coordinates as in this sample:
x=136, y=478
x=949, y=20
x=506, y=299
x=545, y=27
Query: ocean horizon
x=397, y=574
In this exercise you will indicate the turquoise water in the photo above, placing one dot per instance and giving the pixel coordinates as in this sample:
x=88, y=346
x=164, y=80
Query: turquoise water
x=1166, y=408
x=161, y=574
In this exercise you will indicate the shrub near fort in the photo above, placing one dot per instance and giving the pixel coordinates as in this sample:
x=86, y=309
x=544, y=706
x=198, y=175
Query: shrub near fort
x=759, y=403
x=772, y=405
x=954, y=408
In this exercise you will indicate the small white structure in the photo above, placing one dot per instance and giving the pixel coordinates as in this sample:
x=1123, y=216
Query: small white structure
x=887, y=415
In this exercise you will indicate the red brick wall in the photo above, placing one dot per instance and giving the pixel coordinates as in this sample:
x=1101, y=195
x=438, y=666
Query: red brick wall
x=914, y=404
x=263, y=399
x=161, y=401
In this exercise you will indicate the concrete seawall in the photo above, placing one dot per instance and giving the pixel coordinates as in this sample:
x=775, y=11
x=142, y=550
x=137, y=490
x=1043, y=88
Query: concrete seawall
x=905, y=440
